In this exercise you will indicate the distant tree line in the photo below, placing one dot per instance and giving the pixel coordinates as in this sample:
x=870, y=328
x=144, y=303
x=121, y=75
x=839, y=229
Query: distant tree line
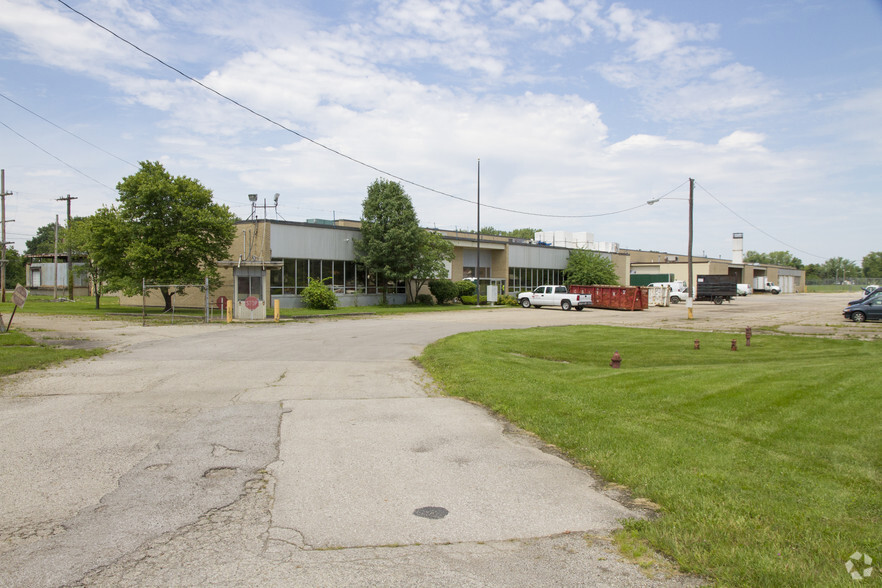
x=835, y=268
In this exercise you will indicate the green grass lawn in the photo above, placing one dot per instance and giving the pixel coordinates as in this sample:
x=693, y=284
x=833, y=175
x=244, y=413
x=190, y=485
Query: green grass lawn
x=111, y=308
x=766, y=462
x=18, y=353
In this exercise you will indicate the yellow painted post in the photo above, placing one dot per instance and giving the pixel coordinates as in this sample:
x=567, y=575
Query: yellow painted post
x=229, y=311
x=276, y=310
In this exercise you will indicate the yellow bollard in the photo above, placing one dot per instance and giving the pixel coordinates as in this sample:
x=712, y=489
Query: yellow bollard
x=276, y=310
x=229, y=311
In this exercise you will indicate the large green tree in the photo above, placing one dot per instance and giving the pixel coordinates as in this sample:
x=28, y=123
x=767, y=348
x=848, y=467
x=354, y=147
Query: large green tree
x=165, y=229
x=390, y=232
x=432, y=251
x=872, y=264
x=589, y=268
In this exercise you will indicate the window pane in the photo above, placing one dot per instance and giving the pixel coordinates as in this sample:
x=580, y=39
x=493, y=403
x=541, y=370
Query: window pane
x=315, y=269
x=302, y=273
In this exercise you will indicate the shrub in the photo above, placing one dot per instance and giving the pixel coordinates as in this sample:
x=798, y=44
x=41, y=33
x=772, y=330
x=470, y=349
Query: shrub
x=318, y=296
x=466, y=288
x=470, y=300
x=507, y=300
x=443, y=290
x=425, y=299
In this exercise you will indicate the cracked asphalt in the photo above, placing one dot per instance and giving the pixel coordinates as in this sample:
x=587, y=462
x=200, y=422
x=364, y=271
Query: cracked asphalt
x=297, y=454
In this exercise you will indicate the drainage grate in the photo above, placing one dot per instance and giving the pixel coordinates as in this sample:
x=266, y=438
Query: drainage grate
x=431, y=512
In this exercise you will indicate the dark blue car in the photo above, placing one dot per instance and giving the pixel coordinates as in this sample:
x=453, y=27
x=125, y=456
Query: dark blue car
x=868, y=309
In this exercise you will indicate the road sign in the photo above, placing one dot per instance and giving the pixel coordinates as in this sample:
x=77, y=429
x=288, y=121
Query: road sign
x=252, y=302
x=19, y=295
x=221, y=302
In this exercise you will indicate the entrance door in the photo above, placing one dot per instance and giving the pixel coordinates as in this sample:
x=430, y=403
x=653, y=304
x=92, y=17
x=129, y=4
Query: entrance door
x=250, y=302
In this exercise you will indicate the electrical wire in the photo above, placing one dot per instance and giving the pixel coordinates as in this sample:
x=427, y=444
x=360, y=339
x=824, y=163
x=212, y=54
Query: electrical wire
x=322, y=145
x=26, y=109
x=82, y=173
x=770, y=236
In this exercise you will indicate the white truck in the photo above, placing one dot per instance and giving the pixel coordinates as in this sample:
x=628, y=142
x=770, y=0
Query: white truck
x=760, y=284
x=554, y=296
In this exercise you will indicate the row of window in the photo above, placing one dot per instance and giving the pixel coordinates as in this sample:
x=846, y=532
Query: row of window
x=521, y=279
x=348, y=277
x=343, y=277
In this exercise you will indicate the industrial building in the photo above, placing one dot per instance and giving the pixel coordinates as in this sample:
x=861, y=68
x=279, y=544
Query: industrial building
x=274, y=259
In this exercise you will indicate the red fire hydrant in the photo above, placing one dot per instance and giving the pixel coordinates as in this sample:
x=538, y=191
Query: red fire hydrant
x=697, y=344
x=747, y=333
x=734, y=345
x=616, y=361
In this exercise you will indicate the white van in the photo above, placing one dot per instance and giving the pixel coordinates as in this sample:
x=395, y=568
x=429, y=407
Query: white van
x=678, y=289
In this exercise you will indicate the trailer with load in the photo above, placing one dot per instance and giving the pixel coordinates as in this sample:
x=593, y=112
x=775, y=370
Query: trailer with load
x=716, y=288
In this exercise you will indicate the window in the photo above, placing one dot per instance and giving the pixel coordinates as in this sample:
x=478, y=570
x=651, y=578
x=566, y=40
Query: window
x=344, y=277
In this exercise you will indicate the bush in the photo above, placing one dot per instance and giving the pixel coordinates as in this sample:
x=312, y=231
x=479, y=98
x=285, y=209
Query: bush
x=470, y=300
x=465, y=288
x=318, y=296
x=507, y=300
x=425, y=299
x=443, y=290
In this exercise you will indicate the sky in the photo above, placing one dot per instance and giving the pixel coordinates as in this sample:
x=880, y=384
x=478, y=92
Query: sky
x=559, y=114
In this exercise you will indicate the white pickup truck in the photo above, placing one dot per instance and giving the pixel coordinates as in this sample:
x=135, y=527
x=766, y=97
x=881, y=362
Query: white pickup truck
x=554, y=296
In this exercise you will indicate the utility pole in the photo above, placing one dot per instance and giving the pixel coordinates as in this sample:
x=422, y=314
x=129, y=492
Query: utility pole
x=70, y=289
x=689, y=292
x=478, y=261
x=3, y=242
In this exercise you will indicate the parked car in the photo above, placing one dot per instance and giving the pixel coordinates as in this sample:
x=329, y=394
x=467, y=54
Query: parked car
x=743, y=289
x=868, y=310
x=867, y=297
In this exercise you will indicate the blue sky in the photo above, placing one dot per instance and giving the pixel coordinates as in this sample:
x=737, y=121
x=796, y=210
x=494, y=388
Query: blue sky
x=577, y=109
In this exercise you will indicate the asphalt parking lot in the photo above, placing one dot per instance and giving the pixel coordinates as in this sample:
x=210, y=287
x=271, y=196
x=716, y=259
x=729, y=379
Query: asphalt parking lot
x=311, y=454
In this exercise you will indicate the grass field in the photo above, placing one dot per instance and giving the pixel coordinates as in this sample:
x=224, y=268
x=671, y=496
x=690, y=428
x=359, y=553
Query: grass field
x=18, y=353
x=110, y=308
x=765, y=462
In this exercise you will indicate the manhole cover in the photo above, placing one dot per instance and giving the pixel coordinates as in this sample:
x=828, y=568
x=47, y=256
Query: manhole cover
x=431, y=512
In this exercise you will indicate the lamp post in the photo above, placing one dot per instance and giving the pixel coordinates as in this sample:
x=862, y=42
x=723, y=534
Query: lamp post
x=689, y=290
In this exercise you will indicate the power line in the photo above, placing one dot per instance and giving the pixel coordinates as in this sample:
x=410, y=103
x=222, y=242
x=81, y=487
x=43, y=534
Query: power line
x=65, y=130
x=770, y=236
x=322, y=145
x=82, y=173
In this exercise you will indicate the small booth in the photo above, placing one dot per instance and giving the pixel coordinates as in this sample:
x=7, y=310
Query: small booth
x=250, y=287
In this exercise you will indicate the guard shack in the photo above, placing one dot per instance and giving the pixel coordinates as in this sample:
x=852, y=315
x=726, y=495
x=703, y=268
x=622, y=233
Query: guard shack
x=250, y=287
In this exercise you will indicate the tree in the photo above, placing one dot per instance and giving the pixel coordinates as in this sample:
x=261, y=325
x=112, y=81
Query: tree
x=525, y=233
x=433, y=250
x=872, y=264
x=165, y=230
x=588, y=267
x=390, y=233
x=82, y=236
x=44, y=241
x=15, y=268
x=774, y=258
x=839, y=269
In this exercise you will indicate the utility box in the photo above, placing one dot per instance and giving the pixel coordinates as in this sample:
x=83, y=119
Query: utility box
x=492, y=294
